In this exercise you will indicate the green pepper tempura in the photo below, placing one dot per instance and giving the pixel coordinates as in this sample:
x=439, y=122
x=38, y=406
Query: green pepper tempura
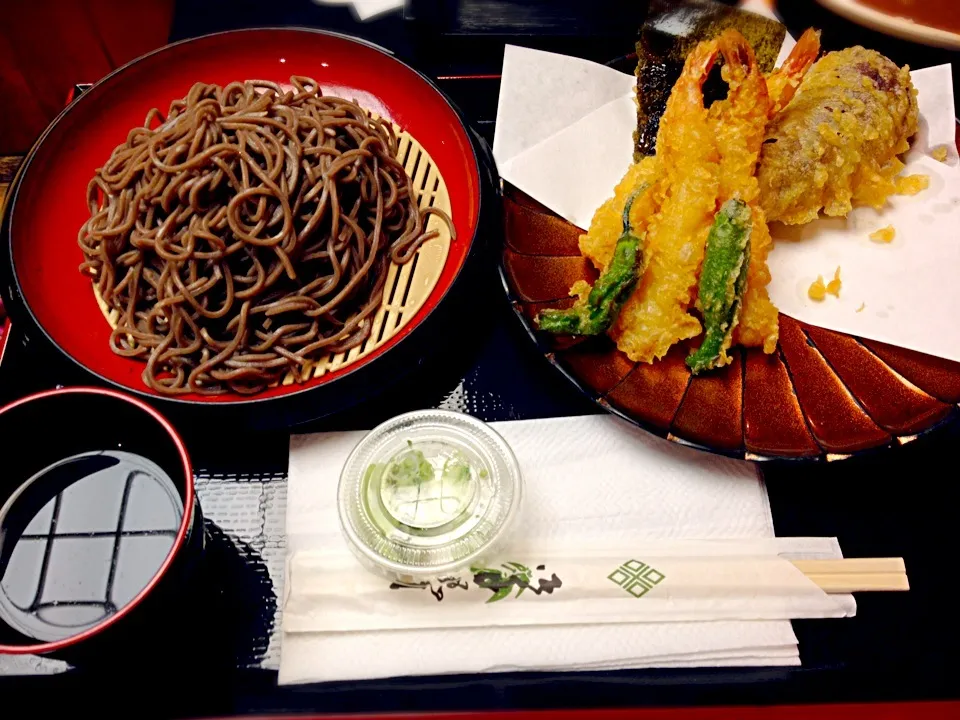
x=722, y=282
x=595, y=314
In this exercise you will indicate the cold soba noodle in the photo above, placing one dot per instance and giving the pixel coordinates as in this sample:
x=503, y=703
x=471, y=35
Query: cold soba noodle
x=248, y=233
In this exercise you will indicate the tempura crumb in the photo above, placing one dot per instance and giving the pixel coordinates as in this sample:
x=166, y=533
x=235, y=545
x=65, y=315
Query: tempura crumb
x=884, y=235
x=833, y=287
x=580, y=289
x=817, y=290
x=939, y=153
x=862, y=306
x=912, y=184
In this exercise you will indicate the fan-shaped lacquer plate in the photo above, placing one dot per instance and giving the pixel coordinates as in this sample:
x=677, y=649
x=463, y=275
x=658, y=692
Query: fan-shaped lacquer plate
x=822, y=395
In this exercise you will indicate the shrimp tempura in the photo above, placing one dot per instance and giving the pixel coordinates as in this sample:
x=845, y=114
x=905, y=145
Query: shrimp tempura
x=739, y=123
x=783, y=82
x=656, y=316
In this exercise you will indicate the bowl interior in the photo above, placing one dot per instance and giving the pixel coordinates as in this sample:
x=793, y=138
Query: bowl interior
x=62, y=524
x=49, y=206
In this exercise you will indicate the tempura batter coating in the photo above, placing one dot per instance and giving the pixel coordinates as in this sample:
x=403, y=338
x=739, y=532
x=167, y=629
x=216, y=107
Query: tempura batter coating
x=837, y=141
x=607, y=224
x=657, y=314
x=739, y=123
x=783, y=82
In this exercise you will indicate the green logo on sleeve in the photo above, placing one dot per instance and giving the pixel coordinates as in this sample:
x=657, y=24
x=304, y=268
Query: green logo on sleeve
x=514, y=575
x=636, y=578
x=500, y=582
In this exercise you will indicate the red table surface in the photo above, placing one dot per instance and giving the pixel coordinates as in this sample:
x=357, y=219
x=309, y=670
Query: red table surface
x=865, y=711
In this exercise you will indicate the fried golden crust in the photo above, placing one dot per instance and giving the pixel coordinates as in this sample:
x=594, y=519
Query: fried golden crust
x=837, y=141
x=783, y=82
x=657, y=314
x=739, y=123
x=607, y=224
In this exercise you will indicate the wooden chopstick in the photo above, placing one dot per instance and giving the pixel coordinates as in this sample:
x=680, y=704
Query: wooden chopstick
x=851, y=565
x=861, y=582
x=856, y=574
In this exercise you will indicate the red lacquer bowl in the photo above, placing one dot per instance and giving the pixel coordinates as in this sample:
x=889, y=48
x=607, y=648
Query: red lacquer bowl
x=822, y=395
x=46, y=207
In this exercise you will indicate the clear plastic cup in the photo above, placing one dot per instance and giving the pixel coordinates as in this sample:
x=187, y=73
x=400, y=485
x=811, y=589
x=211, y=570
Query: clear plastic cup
x=428, y=493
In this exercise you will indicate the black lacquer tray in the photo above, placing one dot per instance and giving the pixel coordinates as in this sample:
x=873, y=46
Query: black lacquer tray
x=903, y=503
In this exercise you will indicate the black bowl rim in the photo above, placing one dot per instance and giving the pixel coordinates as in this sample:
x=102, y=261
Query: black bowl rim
x=19, y=308
x=189, y=501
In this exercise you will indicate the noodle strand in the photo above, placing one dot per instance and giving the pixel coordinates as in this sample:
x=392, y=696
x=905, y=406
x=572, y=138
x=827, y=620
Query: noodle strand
x=248, y=233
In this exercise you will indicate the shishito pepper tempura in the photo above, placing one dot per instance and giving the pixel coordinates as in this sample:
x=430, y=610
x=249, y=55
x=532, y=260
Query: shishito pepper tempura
x=597, y=306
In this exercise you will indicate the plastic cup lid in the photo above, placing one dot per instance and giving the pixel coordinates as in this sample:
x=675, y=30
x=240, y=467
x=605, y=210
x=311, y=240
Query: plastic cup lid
x=427, y=493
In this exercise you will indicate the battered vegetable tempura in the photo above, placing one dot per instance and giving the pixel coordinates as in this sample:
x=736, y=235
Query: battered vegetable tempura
x=598, y=306
x=722, y=282
x=837, y=141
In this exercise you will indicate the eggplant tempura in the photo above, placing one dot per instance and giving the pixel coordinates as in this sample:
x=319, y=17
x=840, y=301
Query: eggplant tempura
x=836, y=144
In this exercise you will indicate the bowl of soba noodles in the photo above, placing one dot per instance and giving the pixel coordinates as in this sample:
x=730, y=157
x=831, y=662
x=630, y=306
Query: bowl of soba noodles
x=267, y=223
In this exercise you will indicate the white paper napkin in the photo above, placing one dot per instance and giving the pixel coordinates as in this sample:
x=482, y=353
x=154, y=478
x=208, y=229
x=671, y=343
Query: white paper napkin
x=560, y=130
x=903, y=293
x=366, y=9
x=589, y=479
